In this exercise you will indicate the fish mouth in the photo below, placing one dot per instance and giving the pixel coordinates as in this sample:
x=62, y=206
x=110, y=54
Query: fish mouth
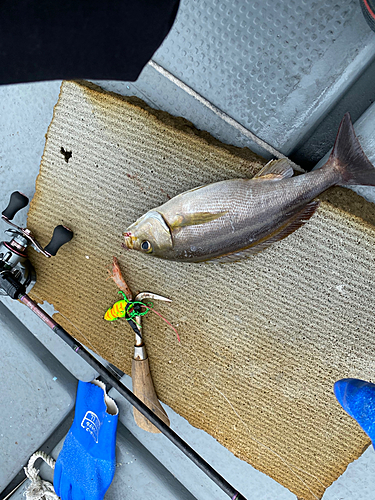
x=129, y=240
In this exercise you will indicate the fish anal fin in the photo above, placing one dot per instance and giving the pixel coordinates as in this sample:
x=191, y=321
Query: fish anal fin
x=275, y=170
x=291, y=225
x=194, y=219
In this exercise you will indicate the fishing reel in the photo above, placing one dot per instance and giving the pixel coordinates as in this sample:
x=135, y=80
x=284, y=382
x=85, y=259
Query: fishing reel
x=17, y=275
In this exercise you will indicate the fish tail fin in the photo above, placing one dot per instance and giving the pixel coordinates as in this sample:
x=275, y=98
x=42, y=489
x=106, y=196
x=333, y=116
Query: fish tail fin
x=349, y=159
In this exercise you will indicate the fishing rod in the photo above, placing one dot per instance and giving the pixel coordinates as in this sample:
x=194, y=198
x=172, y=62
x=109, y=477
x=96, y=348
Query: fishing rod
x=18, y=276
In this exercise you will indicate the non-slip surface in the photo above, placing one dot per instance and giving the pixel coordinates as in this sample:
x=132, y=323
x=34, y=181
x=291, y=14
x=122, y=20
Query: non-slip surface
x=275, y=67
x=262, y=341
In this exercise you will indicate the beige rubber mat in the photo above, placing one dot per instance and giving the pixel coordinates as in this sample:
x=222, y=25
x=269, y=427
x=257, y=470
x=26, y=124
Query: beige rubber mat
x=262, y=340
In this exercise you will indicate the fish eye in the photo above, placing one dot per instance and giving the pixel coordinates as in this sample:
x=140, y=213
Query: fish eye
x=146, y=246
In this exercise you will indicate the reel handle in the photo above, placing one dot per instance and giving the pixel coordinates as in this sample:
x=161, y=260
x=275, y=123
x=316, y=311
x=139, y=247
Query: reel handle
x=61, y=235
x=16, y=202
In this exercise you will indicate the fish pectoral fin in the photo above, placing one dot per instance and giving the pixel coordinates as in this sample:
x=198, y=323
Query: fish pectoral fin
x=291, y=225
x=275, y=170
x=194, y=219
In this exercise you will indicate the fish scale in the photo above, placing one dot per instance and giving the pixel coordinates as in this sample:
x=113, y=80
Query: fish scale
x=253, y=208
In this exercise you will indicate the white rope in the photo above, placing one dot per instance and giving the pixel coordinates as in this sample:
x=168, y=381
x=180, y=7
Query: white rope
x=39, y=489
x=244, y=131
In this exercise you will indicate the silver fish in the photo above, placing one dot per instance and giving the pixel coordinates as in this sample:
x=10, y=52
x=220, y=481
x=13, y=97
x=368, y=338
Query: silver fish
x=230, y=220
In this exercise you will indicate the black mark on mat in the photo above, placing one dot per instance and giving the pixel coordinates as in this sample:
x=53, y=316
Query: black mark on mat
x=67, y=154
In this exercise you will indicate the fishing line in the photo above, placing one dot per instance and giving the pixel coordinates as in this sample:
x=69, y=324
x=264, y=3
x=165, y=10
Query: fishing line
x=194, y=369
x=168, y=323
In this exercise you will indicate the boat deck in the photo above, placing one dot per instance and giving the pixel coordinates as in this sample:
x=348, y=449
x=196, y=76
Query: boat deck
x=287, y=71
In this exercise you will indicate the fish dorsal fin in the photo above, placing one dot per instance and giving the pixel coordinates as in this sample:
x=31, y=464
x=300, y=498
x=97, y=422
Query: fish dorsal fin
x=194, y=219
x=275, y=170
x=291, y=225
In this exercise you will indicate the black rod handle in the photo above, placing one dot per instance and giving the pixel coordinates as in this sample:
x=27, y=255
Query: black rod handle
x=61, y=235
x=16, y=202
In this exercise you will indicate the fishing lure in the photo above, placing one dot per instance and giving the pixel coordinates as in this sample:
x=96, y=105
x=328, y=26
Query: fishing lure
x=125, y=308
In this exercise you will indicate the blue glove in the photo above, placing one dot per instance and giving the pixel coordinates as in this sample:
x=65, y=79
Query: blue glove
x=86, y=464
x=357, y=397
